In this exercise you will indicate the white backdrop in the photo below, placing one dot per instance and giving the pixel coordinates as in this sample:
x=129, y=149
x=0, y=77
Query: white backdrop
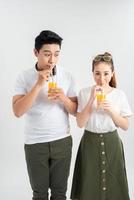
x=88, y=27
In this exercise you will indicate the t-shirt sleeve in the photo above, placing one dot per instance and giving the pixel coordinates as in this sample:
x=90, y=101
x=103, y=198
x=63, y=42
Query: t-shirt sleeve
x=20, y=85
x=72, y=88
x=125, y=109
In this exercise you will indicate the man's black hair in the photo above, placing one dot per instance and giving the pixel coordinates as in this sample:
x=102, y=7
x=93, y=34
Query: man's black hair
x=47, y=37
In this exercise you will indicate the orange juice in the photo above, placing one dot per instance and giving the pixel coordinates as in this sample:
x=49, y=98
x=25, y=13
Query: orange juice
x=100, y=96
x=52, y=86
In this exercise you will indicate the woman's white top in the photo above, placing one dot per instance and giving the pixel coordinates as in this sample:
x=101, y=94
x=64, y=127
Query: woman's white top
x=100, y=121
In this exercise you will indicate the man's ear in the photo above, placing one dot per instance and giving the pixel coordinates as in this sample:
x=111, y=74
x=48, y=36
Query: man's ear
x=35, y=52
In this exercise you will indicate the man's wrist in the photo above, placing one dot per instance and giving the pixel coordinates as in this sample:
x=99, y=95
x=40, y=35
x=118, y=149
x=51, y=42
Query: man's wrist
x=38, y=86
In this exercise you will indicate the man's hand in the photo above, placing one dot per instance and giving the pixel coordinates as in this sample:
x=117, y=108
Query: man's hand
x=57, y=94
x=43, y=76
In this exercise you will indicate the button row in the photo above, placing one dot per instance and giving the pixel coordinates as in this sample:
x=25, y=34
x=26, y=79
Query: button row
x=103, y=163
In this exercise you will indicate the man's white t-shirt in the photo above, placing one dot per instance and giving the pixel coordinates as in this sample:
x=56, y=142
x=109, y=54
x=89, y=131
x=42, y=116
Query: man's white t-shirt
x=100, y=121
x=46, y=120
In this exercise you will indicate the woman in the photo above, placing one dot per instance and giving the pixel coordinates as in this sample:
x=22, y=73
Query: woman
x=100, y=172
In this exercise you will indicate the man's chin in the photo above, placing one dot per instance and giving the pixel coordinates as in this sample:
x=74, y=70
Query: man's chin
x=48, y=67
x=41, y=68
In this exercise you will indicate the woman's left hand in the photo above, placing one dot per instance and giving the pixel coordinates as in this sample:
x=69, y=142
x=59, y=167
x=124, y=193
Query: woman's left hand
x=107, y=106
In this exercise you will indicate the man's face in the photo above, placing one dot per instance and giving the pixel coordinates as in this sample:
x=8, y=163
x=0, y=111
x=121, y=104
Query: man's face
x=47, y=56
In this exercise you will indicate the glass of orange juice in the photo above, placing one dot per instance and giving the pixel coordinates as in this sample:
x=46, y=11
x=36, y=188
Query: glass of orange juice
x=100, y=97
x=52, y=86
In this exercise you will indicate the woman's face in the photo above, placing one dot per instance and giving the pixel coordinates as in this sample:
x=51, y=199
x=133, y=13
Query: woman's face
x=102, y=73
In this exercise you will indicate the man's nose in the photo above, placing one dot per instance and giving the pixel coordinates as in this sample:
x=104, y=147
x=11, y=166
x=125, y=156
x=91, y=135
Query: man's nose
x=51, y=59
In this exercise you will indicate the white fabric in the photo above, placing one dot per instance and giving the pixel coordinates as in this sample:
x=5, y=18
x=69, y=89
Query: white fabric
x=46, y=120
x=100, y=121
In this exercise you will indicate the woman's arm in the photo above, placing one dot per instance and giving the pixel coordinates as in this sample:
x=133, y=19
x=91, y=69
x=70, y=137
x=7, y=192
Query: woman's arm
x=119, y=120
x=83, y=117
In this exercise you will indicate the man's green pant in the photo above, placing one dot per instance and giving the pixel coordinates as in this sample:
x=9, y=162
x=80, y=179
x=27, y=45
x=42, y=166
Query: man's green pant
x=48, y=166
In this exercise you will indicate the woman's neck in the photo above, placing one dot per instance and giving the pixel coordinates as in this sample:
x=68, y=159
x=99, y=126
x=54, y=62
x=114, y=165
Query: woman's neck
x=108, y=89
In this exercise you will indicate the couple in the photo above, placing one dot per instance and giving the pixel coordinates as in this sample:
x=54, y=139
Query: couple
x=100, y=167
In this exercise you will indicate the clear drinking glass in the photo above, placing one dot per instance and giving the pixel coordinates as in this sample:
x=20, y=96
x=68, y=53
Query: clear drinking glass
x=100, y=97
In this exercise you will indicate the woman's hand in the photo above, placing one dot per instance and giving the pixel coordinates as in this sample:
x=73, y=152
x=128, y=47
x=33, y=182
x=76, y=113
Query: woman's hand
x=119, y=120
x=107, y=106
x=93, y=92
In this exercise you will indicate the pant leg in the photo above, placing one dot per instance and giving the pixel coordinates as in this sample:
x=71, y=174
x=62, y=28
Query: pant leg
x=60, y=152
x=37, y=159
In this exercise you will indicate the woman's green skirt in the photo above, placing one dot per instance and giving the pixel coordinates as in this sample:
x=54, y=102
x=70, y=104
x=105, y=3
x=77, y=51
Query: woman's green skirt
x=100, y=172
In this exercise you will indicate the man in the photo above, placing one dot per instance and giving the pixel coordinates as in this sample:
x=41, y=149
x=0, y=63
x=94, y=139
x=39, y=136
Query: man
x=48, y=142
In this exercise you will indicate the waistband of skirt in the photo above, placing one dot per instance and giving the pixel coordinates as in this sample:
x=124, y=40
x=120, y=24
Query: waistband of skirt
x=98, y=134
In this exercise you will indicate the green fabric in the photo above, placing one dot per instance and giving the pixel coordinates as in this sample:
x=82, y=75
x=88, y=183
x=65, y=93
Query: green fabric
x=100, y=172
x=48, y=166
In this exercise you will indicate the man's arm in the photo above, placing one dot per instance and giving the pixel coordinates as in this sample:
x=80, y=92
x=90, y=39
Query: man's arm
x=70, y=104
x=22, y=103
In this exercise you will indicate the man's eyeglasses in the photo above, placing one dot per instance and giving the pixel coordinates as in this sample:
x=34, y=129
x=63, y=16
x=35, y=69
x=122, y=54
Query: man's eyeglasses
x=106, y=58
